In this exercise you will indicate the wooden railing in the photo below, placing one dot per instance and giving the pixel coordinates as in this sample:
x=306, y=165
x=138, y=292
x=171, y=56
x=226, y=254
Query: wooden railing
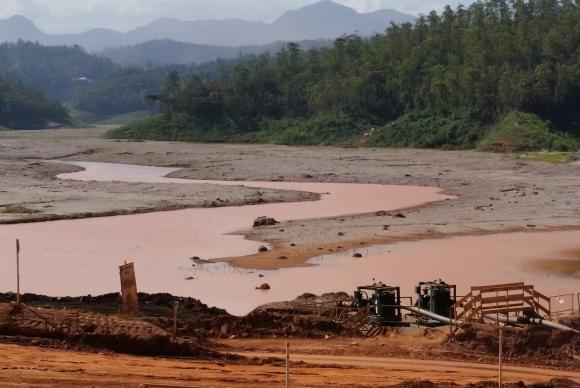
x=507, y=299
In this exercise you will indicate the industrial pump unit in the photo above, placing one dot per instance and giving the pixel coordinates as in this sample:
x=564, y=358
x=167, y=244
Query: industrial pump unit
x=436, y=297
x=383, y=302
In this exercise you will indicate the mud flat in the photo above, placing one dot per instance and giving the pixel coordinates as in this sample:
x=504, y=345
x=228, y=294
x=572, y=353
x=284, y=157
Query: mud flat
x=30, y=191
x=522, y=194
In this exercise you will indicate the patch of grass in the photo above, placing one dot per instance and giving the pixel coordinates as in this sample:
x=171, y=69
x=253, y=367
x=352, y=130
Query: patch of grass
x=516, y=132
x=324, y=129
x=328, y=128
x=79, y=119
x=126, y=119
x=16, y=209
x=425, y=130
x=520, y=132
x=548, y=157
x=176, y=126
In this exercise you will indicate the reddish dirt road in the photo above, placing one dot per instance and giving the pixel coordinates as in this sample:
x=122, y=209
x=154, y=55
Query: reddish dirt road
x=29, y=366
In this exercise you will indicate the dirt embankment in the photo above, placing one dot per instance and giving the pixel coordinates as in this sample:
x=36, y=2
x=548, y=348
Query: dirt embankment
x=84, y=330
x=248, y=351
x=95, y=321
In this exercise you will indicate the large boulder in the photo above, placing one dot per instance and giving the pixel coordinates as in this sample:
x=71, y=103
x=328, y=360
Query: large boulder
x=265, y=221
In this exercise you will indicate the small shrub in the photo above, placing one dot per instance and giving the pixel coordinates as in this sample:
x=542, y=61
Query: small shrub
x=520, y=132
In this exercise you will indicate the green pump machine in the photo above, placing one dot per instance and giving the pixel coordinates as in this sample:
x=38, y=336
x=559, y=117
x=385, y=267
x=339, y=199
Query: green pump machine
x=382, y=301
x=437, y=297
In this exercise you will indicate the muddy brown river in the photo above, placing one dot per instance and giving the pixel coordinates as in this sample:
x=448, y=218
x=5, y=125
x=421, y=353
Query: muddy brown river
x=77, y=257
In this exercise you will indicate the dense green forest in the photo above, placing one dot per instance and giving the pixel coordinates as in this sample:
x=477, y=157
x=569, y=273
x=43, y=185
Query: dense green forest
x=25, y=108
x=56, y=71
x=87, y=82
x=495, y=72
x=124, y=90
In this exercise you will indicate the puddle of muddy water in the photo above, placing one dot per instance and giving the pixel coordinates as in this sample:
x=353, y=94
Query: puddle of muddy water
x=568, y=265
x=81, y=256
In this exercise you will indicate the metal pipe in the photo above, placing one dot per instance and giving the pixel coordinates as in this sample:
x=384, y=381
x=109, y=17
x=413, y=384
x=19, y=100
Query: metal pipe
x=529, y=321
x=433, y=316
x=493, y=317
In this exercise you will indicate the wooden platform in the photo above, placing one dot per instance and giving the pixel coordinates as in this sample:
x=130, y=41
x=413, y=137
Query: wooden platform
x=508, y=299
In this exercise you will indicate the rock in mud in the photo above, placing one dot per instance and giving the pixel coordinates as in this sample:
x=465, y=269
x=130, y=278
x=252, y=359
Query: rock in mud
x=263, y=249
x=357, y=255
x=197, y=260
x=264, y=221
x=264, y=286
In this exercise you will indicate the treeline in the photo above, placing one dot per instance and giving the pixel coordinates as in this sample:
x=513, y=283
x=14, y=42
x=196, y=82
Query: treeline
x=125, y=89
x=26, y=108
x=56, y=71
x=441, y=82
x=88, y=82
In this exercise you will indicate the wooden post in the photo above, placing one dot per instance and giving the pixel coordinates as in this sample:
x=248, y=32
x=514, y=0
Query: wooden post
x=129, y=288
x=287, y=364
x=500, y=356
x=18, y=300
x=175, y=307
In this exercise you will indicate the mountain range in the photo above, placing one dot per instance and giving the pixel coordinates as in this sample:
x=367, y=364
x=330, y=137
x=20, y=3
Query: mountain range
x=319, y=21
x=169, y=52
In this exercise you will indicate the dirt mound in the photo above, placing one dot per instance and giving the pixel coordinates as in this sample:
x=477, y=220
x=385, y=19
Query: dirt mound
x=113, y=332
x=572, y=321
x=308, y=315
x=533, y=342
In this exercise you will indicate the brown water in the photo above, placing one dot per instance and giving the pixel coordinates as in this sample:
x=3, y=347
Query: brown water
x=464, y=261
x=77, y=257
x=81, y=256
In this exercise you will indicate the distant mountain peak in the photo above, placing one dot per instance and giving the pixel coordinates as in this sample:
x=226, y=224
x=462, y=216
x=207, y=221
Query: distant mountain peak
x=20, y=20
x=18, y=27
x=163, y=20
x=324, y=8
x=326, y=4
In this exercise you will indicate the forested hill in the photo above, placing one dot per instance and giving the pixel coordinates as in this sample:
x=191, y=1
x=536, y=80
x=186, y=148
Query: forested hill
x=495, y=73
x=124, y=90
x=56, y=71
x=24, y=108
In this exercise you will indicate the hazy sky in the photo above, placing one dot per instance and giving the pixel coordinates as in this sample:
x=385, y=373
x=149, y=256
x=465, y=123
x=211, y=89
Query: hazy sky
x=58, y=16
